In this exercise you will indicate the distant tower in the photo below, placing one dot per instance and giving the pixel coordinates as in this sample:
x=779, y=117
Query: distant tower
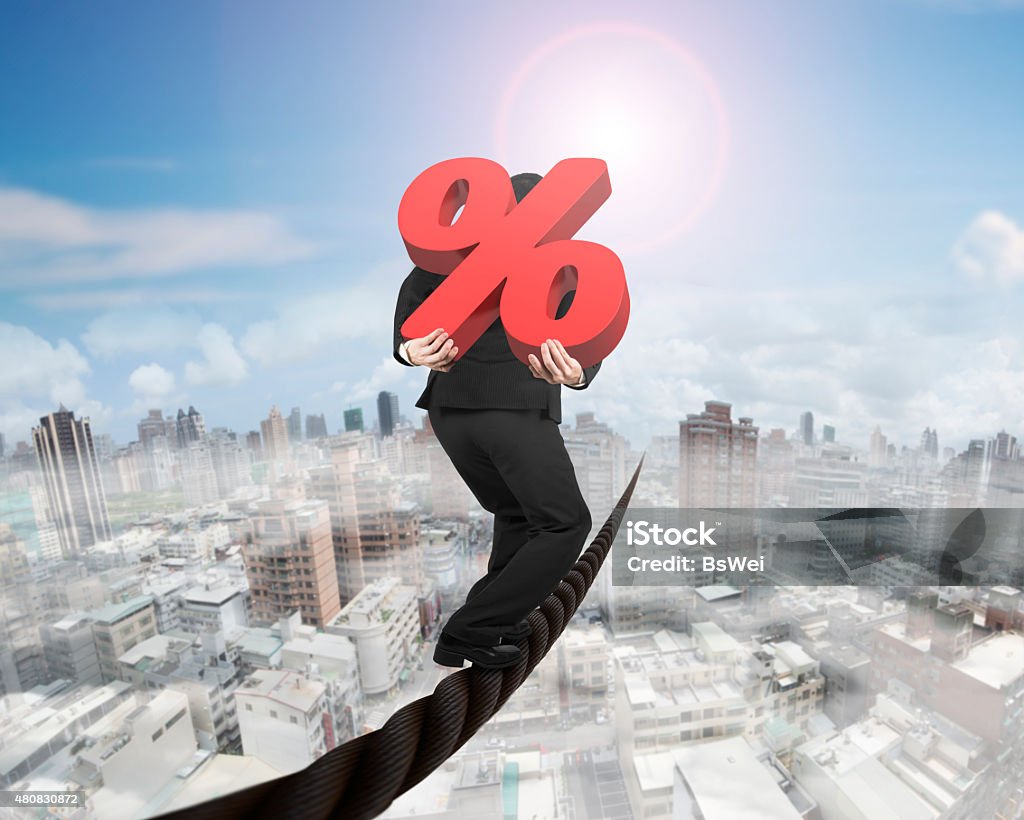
x=354, y=419
x=151, y=427
x=71, y=473
x=1, y=445
x=275, y=436
x=930, y=442
x=828, y=434
x=316, y=426
x=387, y=412
x=717, y=458
x=295, y=425
x=807, y=427
x=878, y=451
x=191, y=426
x=253, y=442
x=1003, y=446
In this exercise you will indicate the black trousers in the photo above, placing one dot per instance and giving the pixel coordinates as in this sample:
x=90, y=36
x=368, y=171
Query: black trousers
x=516, y=464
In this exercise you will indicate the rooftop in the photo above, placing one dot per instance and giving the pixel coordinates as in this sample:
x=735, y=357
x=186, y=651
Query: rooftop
x=112, y=613
x=728, y=781
x=997, y=661
x=286, y=687
x=220, y=594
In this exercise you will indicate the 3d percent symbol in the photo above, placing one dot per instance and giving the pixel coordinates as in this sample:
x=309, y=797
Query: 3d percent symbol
x=514, y=260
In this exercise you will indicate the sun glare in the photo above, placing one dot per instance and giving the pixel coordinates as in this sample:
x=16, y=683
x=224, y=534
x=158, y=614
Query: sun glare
x=636, y=99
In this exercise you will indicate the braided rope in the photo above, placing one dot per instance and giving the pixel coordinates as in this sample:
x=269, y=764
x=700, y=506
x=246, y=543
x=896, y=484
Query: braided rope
x=362, y=777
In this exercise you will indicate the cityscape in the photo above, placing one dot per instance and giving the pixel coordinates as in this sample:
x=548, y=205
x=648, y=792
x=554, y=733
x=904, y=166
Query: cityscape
x=202, y=609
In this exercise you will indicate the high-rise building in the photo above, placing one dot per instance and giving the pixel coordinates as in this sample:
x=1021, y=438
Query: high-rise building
x=295, y=424
x=275, y=436
x=290, y=562
x=828, y=434
x=354, y=419
x=335, y=484
x=878, y=452
x=807, y=427
x=1003, y=446
x=199, y=481
x=387, y=412
x=252, y=441
x=316, y=426
x=930, y=442
x=776, y=468
x=717, y=458
x=71, y=473
x=230, y=462
x=1, y=445
x=154, y=426
x=190, y=426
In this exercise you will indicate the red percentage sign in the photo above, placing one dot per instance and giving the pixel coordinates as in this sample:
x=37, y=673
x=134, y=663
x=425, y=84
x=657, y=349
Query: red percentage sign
x=516, y=261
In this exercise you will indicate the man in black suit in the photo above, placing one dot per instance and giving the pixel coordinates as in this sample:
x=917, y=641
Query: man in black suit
x=497, y=419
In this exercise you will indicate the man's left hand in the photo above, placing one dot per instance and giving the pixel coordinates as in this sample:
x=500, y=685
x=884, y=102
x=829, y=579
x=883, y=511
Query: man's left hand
x=555, y=365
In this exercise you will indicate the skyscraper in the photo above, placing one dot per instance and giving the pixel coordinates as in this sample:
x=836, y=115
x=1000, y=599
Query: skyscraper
x=275, y=436
x=253, y=442
x=1, y=445
x=354, y=419
x=71, y=473
x=930, y=442
x=717, y=458
x=387, y=412
x=1003, y=446
x=154, y=426
x=828, y=434
x=190, y=427
x=807, y=427
x=878, y=452
x=295, y=424
x=316, y=426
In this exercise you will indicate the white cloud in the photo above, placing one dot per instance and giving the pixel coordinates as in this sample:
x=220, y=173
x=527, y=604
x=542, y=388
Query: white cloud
x=306, y=326
x=140, y=331
x=45, y=239
x=34, y=367
x=222, y=364
x=151, y=381
x=153, y=386
x=37, y=376
x=992, y=247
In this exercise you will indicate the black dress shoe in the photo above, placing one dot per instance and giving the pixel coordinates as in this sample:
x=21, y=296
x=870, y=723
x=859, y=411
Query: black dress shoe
x=453, y=652
x=518, y=632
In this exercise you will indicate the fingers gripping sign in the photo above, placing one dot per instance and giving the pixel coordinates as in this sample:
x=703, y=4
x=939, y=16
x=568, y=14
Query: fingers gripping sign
x=436, y=350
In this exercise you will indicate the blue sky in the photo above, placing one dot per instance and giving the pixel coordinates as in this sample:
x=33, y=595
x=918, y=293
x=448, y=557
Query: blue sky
x=197, y=204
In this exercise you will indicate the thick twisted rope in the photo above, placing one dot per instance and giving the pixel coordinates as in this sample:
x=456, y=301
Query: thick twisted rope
x=362, y=777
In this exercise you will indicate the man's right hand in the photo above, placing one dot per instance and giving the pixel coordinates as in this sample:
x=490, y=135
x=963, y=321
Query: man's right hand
x=435, y=350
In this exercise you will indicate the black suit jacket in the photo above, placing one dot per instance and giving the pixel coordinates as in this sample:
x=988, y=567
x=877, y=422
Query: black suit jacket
x=488, y=375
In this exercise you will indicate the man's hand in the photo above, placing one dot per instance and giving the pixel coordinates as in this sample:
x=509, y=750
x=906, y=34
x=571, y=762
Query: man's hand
x=435, y=350
x=555, y=365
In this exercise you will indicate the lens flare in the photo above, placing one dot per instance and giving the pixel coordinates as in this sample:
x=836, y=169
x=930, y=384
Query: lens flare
x=635, y=98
